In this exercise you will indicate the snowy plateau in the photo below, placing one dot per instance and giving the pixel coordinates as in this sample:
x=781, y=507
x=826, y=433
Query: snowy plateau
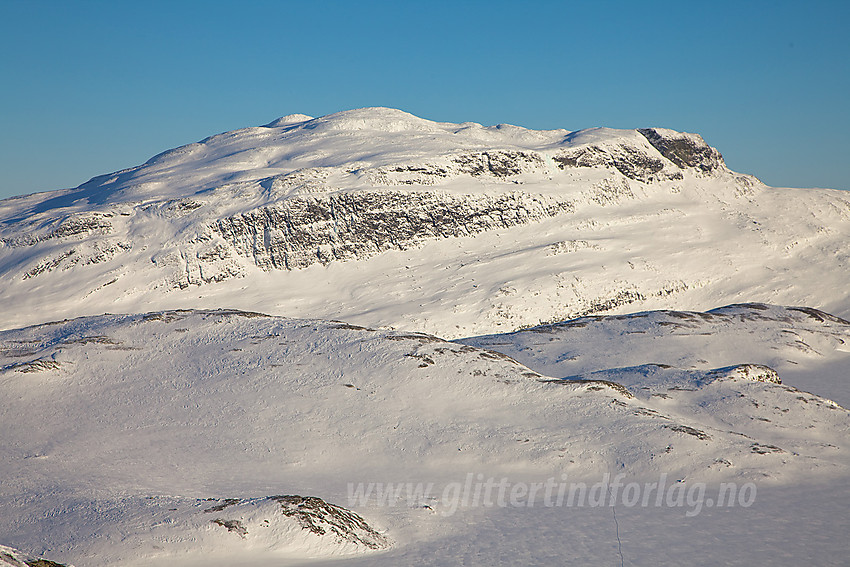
x=373, y=339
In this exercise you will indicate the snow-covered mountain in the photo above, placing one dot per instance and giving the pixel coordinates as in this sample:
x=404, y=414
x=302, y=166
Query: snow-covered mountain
x=329, y=335
x=378, y=217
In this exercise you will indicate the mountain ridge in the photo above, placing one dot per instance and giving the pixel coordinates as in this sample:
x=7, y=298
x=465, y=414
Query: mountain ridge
x=234, y=146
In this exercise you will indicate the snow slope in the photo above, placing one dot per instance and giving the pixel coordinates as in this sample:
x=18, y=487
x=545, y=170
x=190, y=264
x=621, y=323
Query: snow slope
x=810, y=349
x=118, y=428
x=378, y=217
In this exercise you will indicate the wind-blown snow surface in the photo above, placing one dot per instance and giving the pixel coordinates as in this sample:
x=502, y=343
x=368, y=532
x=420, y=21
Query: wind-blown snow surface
x=377, y=217
x=118, y=428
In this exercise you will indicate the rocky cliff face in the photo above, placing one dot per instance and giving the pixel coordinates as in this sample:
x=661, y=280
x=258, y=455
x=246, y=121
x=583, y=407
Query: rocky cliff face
x=302, y=231
x=684, y=150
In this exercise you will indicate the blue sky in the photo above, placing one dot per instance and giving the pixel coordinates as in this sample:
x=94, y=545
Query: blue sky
x=91, y=87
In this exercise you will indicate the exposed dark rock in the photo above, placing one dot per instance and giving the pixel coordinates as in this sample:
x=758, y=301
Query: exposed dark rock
x=684, y=150
x=13, y=558
x=43, y=563
x=222, y=504
x=622, y=297
x=497, y=163
x=630, y=161
x=234, y=526
x=39, y=365
x=699, y=434
x=97, y=339
x=619, y=388
x=588, y=156
x=819, y=315
x=319, y=517
x=762, y=449
x=67, y=227
x=611, y=192
x=302, y=231
x=95, y=253
x=752, y=372
x=636, y=164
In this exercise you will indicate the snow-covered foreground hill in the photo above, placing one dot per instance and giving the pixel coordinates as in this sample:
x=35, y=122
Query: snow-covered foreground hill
x=377, y=217
x=810, y=349
x=169, y=436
